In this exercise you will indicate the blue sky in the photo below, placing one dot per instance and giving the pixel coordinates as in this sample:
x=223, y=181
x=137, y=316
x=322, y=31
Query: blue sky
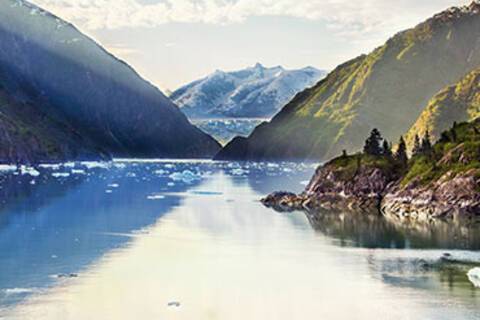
x=172, y=42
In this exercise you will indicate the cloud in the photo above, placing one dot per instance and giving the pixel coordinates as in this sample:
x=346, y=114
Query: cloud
x=347, y=17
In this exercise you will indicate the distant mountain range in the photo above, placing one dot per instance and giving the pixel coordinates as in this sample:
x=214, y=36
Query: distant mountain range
x=62, y=96
x=387, y=89
x=249, y=93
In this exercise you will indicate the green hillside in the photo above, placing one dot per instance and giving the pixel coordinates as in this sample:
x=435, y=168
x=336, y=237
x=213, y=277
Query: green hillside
x=386, y=89
x=456, y=103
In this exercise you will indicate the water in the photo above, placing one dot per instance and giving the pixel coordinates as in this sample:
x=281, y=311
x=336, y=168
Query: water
x=189, y=240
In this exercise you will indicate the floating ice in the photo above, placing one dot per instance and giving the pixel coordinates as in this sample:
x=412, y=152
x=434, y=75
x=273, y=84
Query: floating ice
x=131, y=175
x=186, y=176
x=14, y=291
x=78, y=171
x=29, y=171
x=95, y=164
x=113, y=185
x=55, y=166
x=170, y=184
x=120, y=165
x=108, y=191
x=161, y=172
x=156, y=197
x=474, y=277
x=60, y=174
x=239, y=172
x=8, y=167
x=69, y=164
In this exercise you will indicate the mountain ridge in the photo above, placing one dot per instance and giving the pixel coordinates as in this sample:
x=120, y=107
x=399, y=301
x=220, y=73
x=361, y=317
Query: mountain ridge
x=253, y=92
x=386, y=89
x=71, y=76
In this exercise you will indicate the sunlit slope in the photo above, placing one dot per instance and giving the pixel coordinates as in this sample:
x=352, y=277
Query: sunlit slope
x=456, y=103
x=387, y=89
x=102, y=98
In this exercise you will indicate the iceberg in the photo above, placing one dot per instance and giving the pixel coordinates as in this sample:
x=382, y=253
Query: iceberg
x=186, y=176
x=474, y=277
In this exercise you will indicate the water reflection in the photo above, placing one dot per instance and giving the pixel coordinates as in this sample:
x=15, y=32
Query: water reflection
x=376, y=231
x=181, y=240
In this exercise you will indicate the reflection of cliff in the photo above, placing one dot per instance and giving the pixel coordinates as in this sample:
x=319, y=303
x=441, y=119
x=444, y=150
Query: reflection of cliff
x=60, y=226
x=375, y=231
x=427, y=273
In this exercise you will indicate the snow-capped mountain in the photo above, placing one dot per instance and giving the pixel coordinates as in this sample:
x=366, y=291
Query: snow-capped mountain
x=252, y=92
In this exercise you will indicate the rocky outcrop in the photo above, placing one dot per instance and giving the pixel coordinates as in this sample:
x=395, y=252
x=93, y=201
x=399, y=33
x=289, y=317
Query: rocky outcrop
x=358, y=187
x=452, y=197
x=372, y=189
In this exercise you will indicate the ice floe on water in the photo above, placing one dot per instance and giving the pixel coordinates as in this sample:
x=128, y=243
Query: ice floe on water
x=8, y=167
x=17, y=291
x=24, y=170
x=239, y=172
x=78, y=171
x=60, y=174
x=474, y=277
x=155, y=197
x=185, y=176
x=113, y=185
x=96, y=164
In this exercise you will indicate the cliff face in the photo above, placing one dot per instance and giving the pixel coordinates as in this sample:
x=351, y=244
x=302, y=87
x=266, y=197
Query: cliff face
x=386, y=89
x=457, y=103
x=441, y=184
x=48, y=64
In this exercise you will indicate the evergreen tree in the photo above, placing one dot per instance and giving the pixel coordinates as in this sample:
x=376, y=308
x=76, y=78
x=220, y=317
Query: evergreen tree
x=372, y=144
x=417, y=146
x=401, y=154
x=387, y=149
x=426, y=144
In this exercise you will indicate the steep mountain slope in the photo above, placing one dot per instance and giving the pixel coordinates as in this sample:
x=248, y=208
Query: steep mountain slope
x=252, y=92
x=456, y=103
x=387, y=89
x=66, y=76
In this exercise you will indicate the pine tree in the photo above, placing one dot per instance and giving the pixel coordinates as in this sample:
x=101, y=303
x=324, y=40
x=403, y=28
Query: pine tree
x=426, y=145
x=387, y=149
x=372, y=144
x=401, y=154
x=417, y=146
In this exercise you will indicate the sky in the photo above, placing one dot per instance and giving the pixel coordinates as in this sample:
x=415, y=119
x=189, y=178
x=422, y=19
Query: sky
x=173, y=42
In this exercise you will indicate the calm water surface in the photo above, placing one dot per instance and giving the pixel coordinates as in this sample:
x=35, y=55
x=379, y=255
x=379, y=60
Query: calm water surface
x=189, y=240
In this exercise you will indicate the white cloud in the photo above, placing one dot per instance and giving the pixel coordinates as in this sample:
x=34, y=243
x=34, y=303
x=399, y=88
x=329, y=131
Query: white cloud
x=346, y=17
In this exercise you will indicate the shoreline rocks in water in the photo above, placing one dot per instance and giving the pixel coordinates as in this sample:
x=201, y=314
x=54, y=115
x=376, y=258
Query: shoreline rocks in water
x=443, y=182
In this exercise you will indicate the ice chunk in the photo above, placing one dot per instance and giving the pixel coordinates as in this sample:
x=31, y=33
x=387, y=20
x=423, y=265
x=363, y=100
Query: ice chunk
x=113, y=185
x=60, y=174
x=29, y=171
x=186, y=176
x=15, y=291
x=474, y=277
x=95, y=164
x=239, y=172
x=156, y=197
x=161, y=172
x=8, y=167
x=78, y=171
x=52, y=166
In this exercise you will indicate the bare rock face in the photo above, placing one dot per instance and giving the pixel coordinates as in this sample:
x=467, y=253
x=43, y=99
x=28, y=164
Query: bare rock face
x=450, y=197
x=331, y=188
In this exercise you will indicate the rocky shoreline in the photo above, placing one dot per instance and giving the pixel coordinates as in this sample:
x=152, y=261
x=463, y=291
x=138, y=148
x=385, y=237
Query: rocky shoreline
x=454, y=197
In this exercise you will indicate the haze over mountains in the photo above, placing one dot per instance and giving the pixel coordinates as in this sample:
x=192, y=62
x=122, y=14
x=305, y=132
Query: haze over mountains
x=387, y=89
x=256, y=92
x=63, y=96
